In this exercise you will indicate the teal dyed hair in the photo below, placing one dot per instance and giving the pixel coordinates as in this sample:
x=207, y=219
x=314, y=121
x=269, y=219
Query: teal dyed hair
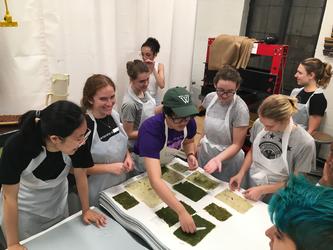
x=305, y=213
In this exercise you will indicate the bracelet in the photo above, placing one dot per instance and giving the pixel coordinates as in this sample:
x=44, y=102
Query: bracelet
x=189, y=154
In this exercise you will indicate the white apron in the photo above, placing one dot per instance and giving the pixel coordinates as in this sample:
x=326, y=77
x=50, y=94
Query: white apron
x=166, y=154
x=41, y=204
x=111, y=151
x=302, y=115
x=270, y=171
x=217, y=138
x=148, y=109
x=153, y=87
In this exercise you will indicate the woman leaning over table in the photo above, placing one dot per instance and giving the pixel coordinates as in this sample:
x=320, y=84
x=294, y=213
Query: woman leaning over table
x=33, y=171
x=279, y=148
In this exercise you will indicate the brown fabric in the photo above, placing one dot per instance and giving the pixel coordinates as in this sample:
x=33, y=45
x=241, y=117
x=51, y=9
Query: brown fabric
x=230, y=50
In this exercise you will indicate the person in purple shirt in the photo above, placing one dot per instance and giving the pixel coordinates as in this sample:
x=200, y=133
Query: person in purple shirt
x=160, y=139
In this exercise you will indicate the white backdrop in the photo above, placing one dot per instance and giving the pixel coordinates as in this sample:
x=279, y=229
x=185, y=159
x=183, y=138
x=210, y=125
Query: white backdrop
x=83, y=37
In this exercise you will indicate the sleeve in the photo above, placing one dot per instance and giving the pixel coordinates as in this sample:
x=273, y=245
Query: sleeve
x=82, y=157
x=305, y=159
x=241, y=115
x=256, y=128
x=318, y=105
x=150, y=141
x=207, y=100
x=12, y=166
x=191, y=129
x=128, y=112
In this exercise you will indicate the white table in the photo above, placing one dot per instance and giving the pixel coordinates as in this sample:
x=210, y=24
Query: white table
x=73, y=234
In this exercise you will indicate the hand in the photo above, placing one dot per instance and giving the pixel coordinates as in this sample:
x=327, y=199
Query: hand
x=212, y=165
x=235, y=182
x=117, y=168
x=192, y=162
x=150, y=64
x=17, y=246
x=91, y=216
x=253, y=193
x=186, y=222
x=327, y=178
x=128, y=163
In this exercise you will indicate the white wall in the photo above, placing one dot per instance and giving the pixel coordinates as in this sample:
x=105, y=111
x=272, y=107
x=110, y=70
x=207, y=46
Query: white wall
x=214, y=17
x=83, y=37
x=325, y=31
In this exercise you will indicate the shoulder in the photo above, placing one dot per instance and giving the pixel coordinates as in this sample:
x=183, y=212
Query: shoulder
x=256, y=127
x=241, y=105
x=301, y=136
x=318, y=98
x=90, y=122
x=153, y=125
x=207, y=100
x=115, y=115
x=160, y=66
x=16, y=143
x=209, y=97
x=128, y=107
x=295, y=91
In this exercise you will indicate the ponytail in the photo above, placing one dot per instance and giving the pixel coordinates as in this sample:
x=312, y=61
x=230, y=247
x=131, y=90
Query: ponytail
x=60, y=118
x=278, y=107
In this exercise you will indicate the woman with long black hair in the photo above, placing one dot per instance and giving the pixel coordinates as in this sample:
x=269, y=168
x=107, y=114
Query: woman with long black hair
x=33, y=172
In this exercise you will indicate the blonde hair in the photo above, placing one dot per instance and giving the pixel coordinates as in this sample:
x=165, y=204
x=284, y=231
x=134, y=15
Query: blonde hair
x=278, y=107
x=321, y=70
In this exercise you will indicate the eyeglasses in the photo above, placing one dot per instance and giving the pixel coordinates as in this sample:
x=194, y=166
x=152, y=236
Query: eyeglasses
x=225, y=92
x=85, y=137
x=178, y=120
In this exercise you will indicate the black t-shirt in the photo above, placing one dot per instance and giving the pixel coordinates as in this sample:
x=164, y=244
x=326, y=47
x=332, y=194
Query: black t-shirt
x=318, y=102
x=106, y=128
x=16, y=158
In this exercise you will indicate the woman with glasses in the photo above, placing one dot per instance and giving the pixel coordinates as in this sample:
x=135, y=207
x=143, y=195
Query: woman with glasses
x=33, y=172
x=226, y=123
x=279, y=148
x=160, y=139
x=108, y=140
x=313, y=76
x=137, y=104
x=149, y=51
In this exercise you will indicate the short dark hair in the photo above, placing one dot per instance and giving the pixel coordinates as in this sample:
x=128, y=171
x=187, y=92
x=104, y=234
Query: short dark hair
x=228, y=73
x=153, y=44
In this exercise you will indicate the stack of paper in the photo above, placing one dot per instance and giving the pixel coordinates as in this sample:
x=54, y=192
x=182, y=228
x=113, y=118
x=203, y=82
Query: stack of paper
x=221, y=216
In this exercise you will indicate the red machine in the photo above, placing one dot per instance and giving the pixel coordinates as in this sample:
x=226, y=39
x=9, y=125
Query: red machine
x=257, y=83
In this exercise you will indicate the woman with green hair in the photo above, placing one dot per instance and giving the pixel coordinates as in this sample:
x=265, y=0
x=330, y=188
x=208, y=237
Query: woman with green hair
x=302, y=215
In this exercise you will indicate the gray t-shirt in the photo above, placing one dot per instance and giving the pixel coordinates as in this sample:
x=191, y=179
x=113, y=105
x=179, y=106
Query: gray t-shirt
x=239, y=113
x=301, y=153
x=131, y=110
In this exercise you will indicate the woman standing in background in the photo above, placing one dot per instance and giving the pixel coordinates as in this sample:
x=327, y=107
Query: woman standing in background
x=149, y=51
x=314, y=76
x=137, y=104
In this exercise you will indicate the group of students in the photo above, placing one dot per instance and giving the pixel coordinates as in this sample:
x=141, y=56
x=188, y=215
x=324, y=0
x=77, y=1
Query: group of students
x=103, y=148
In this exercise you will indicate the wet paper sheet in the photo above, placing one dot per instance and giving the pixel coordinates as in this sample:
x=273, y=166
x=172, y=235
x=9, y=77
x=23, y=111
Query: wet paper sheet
x=235, y=201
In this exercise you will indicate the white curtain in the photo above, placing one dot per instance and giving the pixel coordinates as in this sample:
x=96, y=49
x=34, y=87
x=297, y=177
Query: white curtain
x=83, y=37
